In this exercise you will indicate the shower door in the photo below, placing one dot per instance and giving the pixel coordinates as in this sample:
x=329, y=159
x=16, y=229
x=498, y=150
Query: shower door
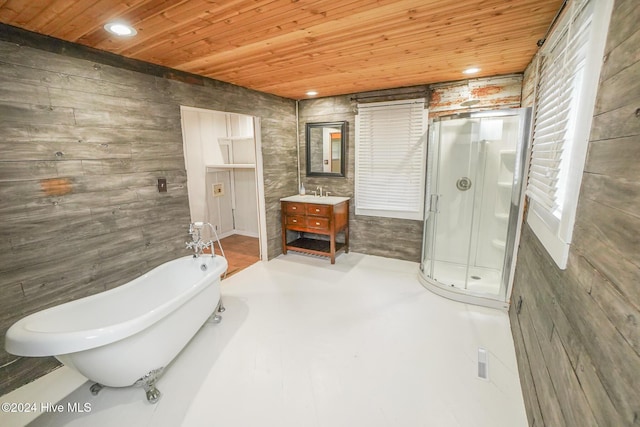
x=473, y=196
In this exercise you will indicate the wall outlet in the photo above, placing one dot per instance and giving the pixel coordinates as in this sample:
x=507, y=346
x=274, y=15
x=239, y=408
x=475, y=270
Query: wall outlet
x=217, y=189
x=483, y=364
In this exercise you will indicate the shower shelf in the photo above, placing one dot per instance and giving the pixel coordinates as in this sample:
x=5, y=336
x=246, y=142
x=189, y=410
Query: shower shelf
x=500, y=244
x=506, y=184
x=503, y=216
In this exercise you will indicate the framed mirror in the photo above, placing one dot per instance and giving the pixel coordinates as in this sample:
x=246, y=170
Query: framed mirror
x=326, y=148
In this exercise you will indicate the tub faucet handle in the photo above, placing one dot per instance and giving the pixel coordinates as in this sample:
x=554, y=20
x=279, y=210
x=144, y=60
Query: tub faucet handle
x=197, y=244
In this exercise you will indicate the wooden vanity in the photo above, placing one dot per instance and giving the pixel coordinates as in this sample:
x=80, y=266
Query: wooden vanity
x=312, y=217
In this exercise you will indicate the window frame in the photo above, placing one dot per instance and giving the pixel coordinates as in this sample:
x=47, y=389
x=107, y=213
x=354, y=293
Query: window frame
x=366, y=205
x=556, y=233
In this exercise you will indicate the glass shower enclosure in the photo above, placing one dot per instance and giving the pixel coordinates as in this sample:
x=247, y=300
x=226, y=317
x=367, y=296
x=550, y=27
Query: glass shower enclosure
x=475, y=172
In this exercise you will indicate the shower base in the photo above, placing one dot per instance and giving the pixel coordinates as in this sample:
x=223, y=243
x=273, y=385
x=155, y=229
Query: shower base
x=478, y=279
x=482, y=287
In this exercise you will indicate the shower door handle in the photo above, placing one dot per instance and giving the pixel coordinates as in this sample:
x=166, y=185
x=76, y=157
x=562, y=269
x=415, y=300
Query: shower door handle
x=433, y=203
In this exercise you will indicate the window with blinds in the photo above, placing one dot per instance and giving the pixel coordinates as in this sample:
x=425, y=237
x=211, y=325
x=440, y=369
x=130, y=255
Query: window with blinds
x=568, y=71
x=390, y=159
x=560, y=73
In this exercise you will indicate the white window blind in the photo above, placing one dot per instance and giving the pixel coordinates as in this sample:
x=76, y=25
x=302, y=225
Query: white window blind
x=390, y=159
x=560, y=76
x=568, y=72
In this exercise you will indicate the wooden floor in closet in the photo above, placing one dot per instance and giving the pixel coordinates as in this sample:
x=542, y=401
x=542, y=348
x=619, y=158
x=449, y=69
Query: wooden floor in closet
x=240, y=251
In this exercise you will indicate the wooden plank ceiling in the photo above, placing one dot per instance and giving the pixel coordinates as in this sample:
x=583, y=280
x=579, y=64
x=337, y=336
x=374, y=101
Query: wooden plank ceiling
x=287, y=47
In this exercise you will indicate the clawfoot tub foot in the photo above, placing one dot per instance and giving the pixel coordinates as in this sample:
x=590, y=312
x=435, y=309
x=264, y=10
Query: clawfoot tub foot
x=215, y=317
x=153, y=394
x=148, y=382
x=95, y=388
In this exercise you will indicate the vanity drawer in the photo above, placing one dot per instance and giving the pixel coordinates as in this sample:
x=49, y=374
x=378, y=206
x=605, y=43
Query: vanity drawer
x=318, y=223
x=319, y=210
x=299, y=221
x=294, y=208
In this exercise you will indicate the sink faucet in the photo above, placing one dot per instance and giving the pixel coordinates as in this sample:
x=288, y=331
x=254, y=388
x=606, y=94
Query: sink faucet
x=319, y=189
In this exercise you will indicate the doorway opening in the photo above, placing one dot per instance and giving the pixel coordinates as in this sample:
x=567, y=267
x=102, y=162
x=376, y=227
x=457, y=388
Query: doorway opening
x=225, y=182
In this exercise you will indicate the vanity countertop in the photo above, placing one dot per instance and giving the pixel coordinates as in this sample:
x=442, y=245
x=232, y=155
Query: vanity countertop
x=324, y=200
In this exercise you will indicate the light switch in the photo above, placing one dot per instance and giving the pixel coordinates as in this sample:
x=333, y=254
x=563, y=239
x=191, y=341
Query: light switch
x=162, y=185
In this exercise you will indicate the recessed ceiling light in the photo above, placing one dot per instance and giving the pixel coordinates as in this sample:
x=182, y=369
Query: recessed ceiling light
x=120, y=29
x=471, y=70
x=312, y=93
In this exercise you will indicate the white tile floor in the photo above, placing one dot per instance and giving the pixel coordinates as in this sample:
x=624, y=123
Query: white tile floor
x=304, y=343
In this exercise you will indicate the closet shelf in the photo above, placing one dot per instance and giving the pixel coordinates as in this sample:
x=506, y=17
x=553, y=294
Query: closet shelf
x=211, y=168
x=236, y=138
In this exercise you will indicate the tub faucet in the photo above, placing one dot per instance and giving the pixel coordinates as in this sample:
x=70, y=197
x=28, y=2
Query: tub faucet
x=197, y=244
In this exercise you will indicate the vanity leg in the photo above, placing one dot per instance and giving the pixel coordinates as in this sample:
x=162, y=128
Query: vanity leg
x=333, y=248
x=346, y=239
x=284, y=234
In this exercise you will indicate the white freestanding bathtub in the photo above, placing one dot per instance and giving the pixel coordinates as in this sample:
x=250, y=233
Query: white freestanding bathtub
x=129, y=334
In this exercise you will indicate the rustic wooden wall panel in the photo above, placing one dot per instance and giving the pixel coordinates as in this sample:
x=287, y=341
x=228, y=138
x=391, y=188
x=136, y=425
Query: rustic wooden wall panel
x=391, y=237
x=82, y=145
x=585, y=317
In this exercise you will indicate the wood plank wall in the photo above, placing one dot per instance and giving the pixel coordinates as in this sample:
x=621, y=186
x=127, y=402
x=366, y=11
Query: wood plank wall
x=82, y=145
x=577, y=335
x=391, y=237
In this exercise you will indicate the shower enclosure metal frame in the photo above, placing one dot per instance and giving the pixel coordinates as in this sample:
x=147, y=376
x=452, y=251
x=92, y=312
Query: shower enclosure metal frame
x=514, y=222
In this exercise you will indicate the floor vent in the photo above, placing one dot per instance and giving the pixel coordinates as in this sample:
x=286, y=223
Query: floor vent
x=483, y=364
